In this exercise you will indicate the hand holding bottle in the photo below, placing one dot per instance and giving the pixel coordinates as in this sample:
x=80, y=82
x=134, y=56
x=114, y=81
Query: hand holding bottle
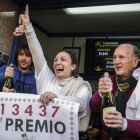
x=114, y=119
x=105, y=84
x=9, y=72
x=111, y=117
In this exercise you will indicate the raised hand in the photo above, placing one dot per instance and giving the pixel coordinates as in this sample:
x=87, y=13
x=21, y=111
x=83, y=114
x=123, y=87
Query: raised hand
x=105, y=84
x=9, y=72
x=24, y=19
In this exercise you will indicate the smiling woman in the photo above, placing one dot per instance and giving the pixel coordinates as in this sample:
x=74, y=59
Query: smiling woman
x=65, y=83
x=65, y=65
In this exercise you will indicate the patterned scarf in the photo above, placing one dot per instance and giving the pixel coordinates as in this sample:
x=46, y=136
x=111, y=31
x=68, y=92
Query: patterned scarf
x=123, y=87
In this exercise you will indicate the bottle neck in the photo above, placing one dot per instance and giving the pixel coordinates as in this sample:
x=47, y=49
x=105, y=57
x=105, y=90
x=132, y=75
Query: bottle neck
x=108, y=94
x=10, y=79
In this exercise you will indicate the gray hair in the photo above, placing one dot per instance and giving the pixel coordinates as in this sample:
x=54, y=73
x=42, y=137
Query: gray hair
x=135, y=49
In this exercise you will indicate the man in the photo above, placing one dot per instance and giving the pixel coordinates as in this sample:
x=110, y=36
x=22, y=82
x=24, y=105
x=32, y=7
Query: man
x=118, y=125
x=23, y=76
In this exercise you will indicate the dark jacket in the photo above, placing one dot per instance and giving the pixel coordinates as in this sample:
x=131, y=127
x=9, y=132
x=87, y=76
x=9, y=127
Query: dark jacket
x=133, y=126
x=23, y=82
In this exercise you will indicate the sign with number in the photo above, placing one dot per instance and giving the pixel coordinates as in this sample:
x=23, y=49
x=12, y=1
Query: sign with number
x=24, y=117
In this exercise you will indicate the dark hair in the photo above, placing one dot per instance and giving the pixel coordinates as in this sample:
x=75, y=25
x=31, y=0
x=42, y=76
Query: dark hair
x=26, y=50
x=73, y=61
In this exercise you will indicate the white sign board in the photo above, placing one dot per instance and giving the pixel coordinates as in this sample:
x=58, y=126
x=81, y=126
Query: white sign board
x=23, y=117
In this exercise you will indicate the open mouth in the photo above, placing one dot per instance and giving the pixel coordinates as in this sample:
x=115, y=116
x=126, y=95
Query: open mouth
x=118, y=68
x=59, y=69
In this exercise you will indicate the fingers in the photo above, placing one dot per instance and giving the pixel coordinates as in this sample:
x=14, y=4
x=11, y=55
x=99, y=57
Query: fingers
x=47, y=97
x=9, y=72
x=12, y=90
x=113, y=112
x=46, y=101
x=51, y=96
x=115, y=124
x=27, y=10
x=17, y=34
x=42, y=98
x=113, y=115
x=105, y=85
x=114, y=119
x=106, y=74
x=21, y=17
x=24, y=19
x=19, y=21
x=11, y=64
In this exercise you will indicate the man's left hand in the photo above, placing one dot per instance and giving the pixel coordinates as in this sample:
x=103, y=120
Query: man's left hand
x=114, y=120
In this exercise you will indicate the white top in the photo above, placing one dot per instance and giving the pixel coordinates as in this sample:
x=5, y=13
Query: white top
x=46, y=79
x=133, y=104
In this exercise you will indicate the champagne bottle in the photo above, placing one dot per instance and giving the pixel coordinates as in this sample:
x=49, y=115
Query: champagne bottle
x=108, y=103
x=8, y=83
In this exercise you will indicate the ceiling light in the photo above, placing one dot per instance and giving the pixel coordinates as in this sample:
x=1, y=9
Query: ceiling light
x=104, y=9
x=7, y=14
x=124, y=37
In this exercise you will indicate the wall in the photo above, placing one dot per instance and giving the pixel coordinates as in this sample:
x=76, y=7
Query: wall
x=7, y=26
x=53, y=45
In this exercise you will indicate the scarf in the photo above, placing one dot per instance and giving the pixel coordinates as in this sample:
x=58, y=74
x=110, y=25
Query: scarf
x=71, y=89
x=123, y=87
x=63, y=82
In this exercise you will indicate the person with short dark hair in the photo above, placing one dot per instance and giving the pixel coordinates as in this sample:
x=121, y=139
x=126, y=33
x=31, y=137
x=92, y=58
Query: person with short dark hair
x=22, y=74
x=124, y=123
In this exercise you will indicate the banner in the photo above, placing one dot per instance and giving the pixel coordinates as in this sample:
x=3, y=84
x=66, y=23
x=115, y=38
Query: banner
x=24, y=117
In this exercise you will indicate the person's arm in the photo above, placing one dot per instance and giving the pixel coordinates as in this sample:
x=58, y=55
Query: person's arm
x=133, y=127
x=35, y=48
x=95, y=102
x=34, y=45
x=82, y=98
x=34, y=91
x=42, y=71
x=2, y=78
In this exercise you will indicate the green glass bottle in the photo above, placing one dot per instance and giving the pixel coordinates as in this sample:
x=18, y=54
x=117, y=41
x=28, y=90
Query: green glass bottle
x=8, y=83
x=108, y=103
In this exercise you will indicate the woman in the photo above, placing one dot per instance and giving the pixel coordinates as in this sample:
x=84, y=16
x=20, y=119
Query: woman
x=65, y=83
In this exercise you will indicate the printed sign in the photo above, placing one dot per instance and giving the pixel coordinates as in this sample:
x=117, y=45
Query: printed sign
x=103, y=51
x=24, y=117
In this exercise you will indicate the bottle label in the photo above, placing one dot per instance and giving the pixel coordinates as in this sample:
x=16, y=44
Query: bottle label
x=5, y=89
x=107, y=109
